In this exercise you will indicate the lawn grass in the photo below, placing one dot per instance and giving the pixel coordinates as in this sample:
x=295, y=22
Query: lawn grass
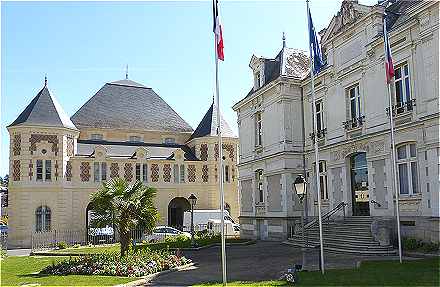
x=424, y=272
x=152, y=246
x=24, y=270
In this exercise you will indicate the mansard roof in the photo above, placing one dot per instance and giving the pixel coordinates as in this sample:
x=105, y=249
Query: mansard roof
x=43, y=110
x=208, y=125
x=126, y=104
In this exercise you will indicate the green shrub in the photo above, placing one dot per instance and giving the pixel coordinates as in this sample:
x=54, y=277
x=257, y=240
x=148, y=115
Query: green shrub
x=3, y=253
x=62, y=245
x=76, y=245
x=430, y=247
x=417, y=244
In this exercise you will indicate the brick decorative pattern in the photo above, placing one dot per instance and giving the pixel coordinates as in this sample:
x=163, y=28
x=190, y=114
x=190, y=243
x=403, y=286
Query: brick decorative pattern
x=69, y=171
x=31, y=170
x=114, y=170
x=167, y=172
x=155, y=172
x=216, y=173
x=191, y=173
x=233, y=174
x=36, y=138
x=16, y=170
x=16, y=144
x=69, y=146
x=204, y=152
x=216, y=151
x=230, y=149
x=85, y=171
x=128, y=172
x=205, y=174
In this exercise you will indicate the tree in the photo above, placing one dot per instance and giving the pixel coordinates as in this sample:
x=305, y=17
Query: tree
x=6, y=180
x=127, y=206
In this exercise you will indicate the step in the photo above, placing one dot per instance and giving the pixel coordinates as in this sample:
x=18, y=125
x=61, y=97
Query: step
x=345, y=245
x=350, y=251
x=337, y=236
x=342, y=232
x=340, y=240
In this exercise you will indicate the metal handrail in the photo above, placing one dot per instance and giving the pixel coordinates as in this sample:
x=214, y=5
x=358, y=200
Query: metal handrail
x=328, y=214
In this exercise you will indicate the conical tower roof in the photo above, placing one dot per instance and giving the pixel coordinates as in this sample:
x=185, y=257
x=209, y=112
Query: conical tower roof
x=44, y=110
x=208, y=125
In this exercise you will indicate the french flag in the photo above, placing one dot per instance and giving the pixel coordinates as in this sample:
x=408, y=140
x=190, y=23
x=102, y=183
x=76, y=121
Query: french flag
x=389, y=67
x=217, y=31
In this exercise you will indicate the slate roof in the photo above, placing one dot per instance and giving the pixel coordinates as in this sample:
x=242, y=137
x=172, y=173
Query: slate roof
x=44, y=110
x=130, y=105
x=208, y=125
x=127, y=149
x=396, y=15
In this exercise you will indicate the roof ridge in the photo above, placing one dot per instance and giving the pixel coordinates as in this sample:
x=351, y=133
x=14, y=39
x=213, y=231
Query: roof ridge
x=116, y=84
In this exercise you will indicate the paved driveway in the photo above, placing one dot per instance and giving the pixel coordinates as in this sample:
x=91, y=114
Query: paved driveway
x=260, y=261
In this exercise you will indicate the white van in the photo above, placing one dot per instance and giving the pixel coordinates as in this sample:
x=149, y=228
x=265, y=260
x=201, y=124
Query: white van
x=231, y=229
x=201, y=217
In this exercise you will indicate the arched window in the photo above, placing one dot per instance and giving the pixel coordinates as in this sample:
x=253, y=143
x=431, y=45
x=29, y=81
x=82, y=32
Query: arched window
x=228, y=208
x=42, y=219
x=407, y=169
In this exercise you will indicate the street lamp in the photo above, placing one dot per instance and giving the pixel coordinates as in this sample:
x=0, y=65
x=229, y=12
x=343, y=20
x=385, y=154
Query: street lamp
x=300, y=188
x=193, y=200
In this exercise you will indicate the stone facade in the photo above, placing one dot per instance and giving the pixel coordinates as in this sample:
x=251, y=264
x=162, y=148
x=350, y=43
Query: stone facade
x=275, y=127
x=61, y=167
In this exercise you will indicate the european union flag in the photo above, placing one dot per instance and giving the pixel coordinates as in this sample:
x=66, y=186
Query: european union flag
x=318, y=62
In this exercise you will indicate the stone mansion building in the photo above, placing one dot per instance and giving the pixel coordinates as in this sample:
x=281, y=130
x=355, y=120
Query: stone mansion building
x=125, y=130
x=276, y=130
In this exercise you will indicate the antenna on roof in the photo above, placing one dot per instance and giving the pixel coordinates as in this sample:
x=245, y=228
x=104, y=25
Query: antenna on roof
x=126, y=72
x=45, y=80
x=284, y=40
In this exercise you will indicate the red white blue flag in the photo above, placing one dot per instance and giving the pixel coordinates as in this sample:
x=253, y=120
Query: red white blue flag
x=217, y=31
x=389, y=67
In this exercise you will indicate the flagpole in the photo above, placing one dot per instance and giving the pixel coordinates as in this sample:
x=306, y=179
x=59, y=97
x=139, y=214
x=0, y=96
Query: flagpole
x=393, y=144
x=220, y=164
x=315, y=139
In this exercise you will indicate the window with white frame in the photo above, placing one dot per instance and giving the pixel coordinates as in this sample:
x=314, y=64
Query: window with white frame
x=138, y=172
x=144, y=172
x=259, y=180
x=182, y=173
x=319, y=116
x=169, y=140
x=42, y=219
x=257, y=80
x=100, y=171
x=226, y=175
x=323, y=180
x=402, y=84
x=258, y=129
x=96, y=137
x=176, y=173
x=355, y=102
x=407, y=169
x=43, y=170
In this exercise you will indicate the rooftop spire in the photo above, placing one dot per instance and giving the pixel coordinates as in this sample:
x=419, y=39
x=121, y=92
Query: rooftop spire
x=284, y=40
x=126, y=72
x=45, y=80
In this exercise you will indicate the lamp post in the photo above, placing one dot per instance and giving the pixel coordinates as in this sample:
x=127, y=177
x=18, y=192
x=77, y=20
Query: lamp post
x=193, y=200
x=299, y=186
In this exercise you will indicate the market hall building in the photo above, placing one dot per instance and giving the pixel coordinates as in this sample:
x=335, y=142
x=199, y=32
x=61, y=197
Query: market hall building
x=355, y=168
x=125, y=130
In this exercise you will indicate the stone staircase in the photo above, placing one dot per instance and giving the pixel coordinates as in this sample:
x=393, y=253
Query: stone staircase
x=351, y=235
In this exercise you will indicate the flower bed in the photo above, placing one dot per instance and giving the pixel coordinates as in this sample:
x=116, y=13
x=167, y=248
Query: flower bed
x=135, y=264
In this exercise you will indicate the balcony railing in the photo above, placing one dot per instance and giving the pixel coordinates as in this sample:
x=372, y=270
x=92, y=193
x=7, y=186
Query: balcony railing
x=402, y=107
x=321, y=134
x=354, y=123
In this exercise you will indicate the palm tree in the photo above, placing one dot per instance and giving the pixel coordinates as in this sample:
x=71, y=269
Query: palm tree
x=127, y=206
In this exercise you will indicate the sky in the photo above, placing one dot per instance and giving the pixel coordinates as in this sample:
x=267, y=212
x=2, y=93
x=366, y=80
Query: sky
x=167, y=46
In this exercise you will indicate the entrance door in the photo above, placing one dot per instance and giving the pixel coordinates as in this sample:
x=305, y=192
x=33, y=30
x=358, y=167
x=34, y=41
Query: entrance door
x=359, y=184
x=176, y=208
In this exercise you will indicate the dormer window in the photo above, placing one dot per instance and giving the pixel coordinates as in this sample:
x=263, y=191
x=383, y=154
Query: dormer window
x=96, y=137
x=134, y=139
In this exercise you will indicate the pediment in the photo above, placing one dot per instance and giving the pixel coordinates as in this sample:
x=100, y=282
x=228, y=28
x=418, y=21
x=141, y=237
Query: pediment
x=350, y=12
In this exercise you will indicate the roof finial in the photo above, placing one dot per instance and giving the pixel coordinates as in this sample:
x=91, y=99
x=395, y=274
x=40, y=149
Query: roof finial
x=284, y=40
x=126, y=72
x=45, y=80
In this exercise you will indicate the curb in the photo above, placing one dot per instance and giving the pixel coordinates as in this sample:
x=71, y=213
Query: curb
x=250, y=242
x=420, y=254
x=150, y=277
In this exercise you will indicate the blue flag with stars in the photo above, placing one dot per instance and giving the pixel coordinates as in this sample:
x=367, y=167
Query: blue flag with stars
x=318, y=62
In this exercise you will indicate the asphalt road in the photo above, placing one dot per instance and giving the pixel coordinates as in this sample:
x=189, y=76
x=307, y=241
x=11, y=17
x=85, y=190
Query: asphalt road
x=260, y=261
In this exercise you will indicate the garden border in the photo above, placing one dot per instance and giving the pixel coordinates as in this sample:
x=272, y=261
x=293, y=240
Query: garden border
x=48, y=253
x=148, y=278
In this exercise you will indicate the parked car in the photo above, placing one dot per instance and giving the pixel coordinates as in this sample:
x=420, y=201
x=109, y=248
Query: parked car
x=3, y=228
x=161, y=232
